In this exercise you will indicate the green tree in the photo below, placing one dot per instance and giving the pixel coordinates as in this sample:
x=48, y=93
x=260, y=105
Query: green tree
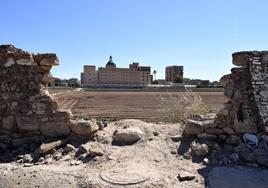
x=155, y=82
x=178, y=79
x=154, y=73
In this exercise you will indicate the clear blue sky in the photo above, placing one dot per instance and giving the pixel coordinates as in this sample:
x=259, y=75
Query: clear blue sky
x=198, y=34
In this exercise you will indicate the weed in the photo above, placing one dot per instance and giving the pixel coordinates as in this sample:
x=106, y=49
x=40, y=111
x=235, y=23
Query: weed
x=113, y=119
x=182, y=105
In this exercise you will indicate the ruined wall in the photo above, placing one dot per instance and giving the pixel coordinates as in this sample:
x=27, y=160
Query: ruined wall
x=247, y=89
x=27, y=112
x=237, y=134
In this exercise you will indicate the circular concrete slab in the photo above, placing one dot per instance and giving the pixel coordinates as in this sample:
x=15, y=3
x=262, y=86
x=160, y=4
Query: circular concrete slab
x=125, y=174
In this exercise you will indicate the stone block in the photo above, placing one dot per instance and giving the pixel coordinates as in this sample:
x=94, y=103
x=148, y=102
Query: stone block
x=49, y=62
x=241, y=58
x=84, y=128
x=25, y=62
x=27, y=123
x=193, y=127
x=8, y=122
x=128, y=136
x=9, y=62
x=215, y=131
x=54, y=129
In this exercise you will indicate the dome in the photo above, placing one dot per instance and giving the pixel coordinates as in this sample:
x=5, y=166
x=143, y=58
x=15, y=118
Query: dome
x=110, y=62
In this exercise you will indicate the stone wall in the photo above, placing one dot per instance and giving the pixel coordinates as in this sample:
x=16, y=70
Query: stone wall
x=237, y=134
x=27, y=112
x=247, y=90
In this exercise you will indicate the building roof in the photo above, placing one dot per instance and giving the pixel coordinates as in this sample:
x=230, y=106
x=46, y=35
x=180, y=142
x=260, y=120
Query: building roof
x=110, y=63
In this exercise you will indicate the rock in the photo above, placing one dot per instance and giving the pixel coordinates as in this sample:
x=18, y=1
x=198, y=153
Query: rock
x=39, y=108
x=100, y=124
x=3, y=146
x=84, y=157
x=128, y=136
x=92, y=148
x=82, y=149
x=9, y=62
x=49, y=61
x=57, y=155
x=206, y=161
x=239, y=148
x=41, y=160
x=246, y=155
x=263, y=160
x=46, y=147
x=209, y=123
x=176, y=138
x=26, y=62
x=69, y=148
x=228, y=148
x=54, y=129
x=209, y=116
x=186, y=155
x=240, y=58
x=66, y=158
x=214, y=145
x=185, y=176
x=106, y=140
x=173, y=151
x=245, y=127
x=222, y=138
x=48, y=160
x=260, y=152
x=192, y=127
x=93, y=152
x=115, y=155
x=250, y=140
x=27, y=164
x=233, y=140
x=199, y=150
x=225, y=161
x=27, y=123
x=8, y=122
x=75, y=163
x=84, y=128
x=155, y=133
x=228, y=130
x=254, y=165
x=215, y=131
x=53, y=151
x=27, y=158
x=205, y=136
x=234, y=157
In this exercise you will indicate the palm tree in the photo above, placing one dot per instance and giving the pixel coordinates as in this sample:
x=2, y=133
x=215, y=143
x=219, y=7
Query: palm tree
x=154, y=73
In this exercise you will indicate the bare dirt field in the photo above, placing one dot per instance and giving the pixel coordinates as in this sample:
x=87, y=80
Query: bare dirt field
x=126, y=104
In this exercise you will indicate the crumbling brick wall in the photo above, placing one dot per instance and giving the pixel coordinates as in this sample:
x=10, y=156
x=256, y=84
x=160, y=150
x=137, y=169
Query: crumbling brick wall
x=27, y=112
x=247, y=89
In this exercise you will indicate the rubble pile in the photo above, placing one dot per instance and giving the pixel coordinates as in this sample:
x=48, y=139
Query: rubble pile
x=237, y=134
x=28, y=113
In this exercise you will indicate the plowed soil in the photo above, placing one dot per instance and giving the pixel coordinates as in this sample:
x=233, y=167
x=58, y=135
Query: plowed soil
x=127, y=104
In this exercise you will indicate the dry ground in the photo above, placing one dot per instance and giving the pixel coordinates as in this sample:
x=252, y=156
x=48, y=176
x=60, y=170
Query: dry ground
x=153, y=162
x=126, y=104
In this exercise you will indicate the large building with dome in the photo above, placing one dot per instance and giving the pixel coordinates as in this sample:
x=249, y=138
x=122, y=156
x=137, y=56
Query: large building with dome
x=111, y=76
